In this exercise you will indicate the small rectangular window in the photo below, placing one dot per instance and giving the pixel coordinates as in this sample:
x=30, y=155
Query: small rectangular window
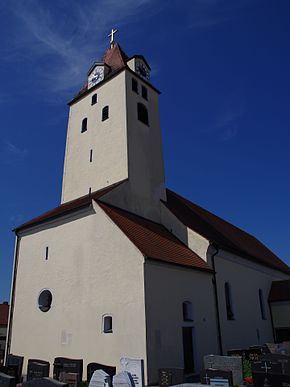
x=107, y=324
x=105, y=113
x=262, y=305
x=46, y=253
x=142, y=113
x=144, y=92
x=187, y=311
x=91, y=155
x=229, y=304
x=84, y=127
x=134, y=85
x=94, y=99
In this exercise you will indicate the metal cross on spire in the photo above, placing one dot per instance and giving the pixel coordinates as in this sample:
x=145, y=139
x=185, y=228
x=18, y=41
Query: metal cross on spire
x=111, y=35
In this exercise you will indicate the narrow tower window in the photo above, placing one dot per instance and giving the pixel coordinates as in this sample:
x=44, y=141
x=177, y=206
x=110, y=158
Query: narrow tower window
x=84, y=127
x=46, y=253
x=144, y=92
x=187, y=311
x=262, y=305
x=91, y=155
x=229, y=306
x=107, y=324
x=105, y=113
x=142, y=113
x=134, y=85
x=94, y=99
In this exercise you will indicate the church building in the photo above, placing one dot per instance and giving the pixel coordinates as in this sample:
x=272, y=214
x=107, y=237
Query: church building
x=124, y=266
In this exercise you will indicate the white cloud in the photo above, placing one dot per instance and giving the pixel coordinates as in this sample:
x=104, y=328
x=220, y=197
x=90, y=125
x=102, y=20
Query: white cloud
x=224, y=125
x=11, y=153
x=66, y=36
x=227, y=123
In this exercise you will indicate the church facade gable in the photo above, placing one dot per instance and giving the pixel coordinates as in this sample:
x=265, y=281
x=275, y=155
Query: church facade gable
x=92, y=270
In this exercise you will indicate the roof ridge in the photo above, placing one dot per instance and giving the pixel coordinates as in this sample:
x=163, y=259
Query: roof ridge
x=166, y=236
x=130, y=213
x=209, y=212
x=223, y=220
x=146, y=219
x=203, y=220
x=231, y=238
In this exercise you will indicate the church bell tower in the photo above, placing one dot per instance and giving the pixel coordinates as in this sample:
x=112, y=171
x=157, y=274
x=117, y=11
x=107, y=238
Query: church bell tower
x=114, y=135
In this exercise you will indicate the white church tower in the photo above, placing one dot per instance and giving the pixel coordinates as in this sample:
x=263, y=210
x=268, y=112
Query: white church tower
x=114, y=134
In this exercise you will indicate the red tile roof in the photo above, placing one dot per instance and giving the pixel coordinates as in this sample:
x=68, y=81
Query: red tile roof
x=4, y=313
x=222, y=233
x=154, y=240
x=115, y=57
x=280, y=291
x=67, y=207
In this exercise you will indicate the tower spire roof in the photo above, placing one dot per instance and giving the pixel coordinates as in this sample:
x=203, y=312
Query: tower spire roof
x=115, y=57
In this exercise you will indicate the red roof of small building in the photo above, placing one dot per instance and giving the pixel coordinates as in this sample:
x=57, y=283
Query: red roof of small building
x=153, y=239
x=4, y=313
x=222, y=233
x=280, y=291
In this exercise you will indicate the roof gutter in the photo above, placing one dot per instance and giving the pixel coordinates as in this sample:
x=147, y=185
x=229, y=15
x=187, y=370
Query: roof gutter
x=213, y=255
x=12, y=296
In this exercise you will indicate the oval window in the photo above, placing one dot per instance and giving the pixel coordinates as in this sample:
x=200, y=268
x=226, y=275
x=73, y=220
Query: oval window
x=44, y=300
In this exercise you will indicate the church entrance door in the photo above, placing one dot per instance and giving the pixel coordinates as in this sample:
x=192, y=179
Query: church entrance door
x=187, y=334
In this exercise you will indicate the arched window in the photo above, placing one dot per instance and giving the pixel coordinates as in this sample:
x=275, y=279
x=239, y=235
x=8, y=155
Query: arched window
x=107, y=324
x=262, y=305
x=229, y=306
x=105, y=113
x=187, y=311
x=94, y=99
x=44, y=300
x=142, y=113
x=84, y=127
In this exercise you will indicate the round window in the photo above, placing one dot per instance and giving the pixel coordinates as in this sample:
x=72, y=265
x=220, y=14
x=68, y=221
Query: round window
x=44, y=300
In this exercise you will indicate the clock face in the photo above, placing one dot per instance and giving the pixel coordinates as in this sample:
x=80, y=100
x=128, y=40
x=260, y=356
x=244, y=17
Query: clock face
x=96, y=76
x=142, y=70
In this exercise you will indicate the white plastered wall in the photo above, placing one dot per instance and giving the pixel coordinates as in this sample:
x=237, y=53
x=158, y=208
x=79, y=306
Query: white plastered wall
x=145, y=187
x=245, y=279
x=167, y=286
x=192, y=239
x=93, y=269
x=107, y=139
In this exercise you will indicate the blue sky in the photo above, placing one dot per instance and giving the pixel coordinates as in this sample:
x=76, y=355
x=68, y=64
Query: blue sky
x=223, y=68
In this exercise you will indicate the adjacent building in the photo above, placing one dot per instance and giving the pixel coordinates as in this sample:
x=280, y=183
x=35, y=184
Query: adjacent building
x=4, y=312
